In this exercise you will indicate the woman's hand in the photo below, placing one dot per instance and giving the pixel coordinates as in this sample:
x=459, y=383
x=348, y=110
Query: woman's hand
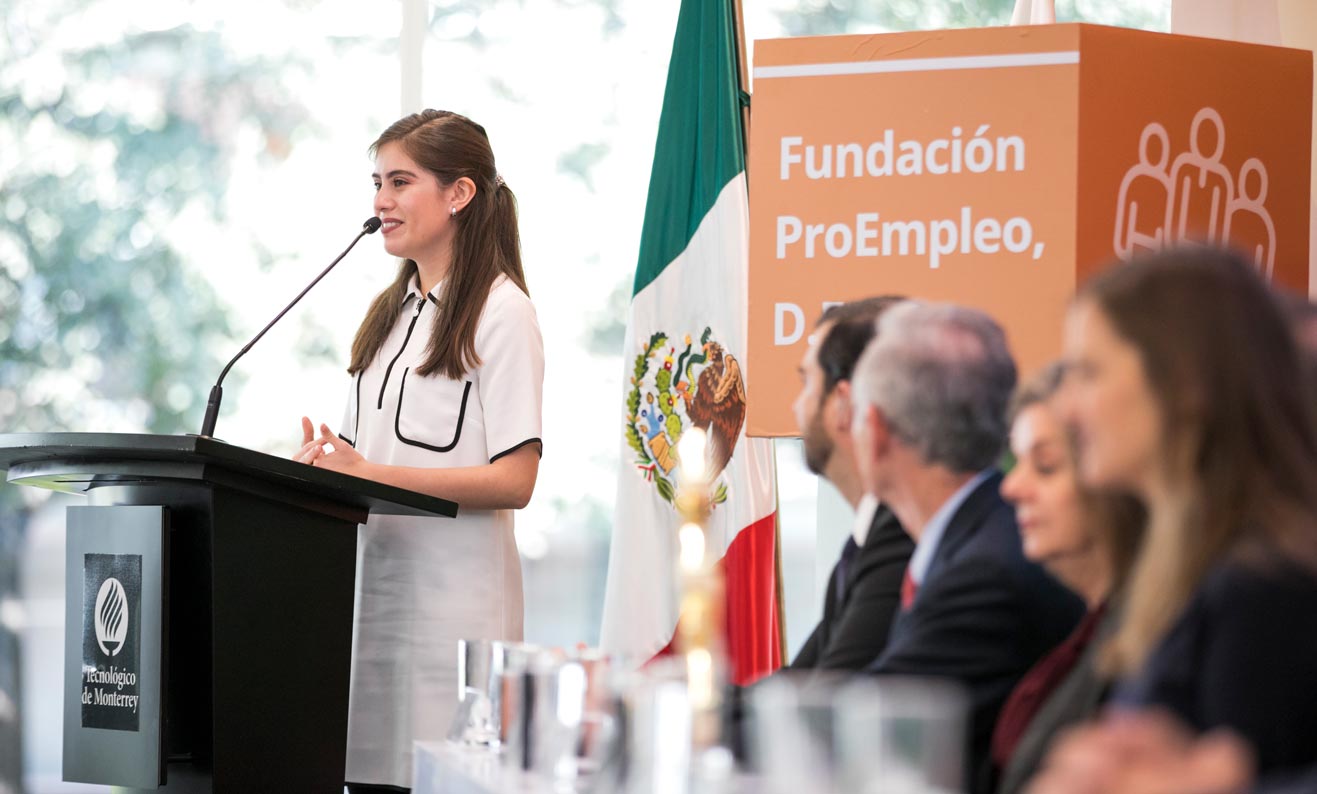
x=328, y=451
x=1145, y=753
x=505, y=484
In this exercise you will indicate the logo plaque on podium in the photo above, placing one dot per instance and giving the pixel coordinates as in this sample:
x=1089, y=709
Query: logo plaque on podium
x=111, y=641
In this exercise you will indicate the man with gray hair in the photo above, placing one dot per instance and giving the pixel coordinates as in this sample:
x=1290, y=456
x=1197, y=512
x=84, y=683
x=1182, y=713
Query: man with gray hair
x=930, y=396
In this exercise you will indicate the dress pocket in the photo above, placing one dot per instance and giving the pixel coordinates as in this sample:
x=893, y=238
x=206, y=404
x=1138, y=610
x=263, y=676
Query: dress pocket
x=431, y=437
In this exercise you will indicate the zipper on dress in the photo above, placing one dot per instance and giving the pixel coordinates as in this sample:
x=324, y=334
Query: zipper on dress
x=420, y=304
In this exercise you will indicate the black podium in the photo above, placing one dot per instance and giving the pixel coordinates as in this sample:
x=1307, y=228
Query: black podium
x=209, y=609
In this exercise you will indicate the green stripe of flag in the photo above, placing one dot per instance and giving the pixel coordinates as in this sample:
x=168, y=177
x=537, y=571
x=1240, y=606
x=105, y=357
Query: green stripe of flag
x=700, y=144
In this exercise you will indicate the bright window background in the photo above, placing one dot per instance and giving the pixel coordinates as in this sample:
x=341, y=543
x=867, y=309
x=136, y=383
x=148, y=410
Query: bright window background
x=171, y=173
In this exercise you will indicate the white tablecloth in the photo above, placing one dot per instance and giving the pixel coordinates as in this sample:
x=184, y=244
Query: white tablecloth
x=442, y=768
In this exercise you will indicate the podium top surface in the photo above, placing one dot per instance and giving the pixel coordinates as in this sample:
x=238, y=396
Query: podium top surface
x=77, y=462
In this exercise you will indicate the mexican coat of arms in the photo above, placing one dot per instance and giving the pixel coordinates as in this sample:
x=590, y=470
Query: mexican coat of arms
x=670, y=392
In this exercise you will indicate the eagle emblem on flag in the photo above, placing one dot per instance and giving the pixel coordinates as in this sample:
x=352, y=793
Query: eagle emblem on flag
x=699, y=387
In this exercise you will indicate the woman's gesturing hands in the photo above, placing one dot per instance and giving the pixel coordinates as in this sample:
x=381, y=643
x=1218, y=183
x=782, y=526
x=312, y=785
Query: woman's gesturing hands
x=328, y=451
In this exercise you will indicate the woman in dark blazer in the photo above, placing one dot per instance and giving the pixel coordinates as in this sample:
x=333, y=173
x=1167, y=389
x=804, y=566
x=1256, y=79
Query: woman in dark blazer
x=1187, y=388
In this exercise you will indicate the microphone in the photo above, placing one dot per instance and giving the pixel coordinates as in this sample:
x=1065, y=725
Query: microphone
x=371, y=226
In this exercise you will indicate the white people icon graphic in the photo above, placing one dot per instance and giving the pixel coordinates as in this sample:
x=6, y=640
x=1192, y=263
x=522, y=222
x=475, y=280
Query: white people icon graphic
x=1196, y=199
x=1248, y=225
x=1144, y=198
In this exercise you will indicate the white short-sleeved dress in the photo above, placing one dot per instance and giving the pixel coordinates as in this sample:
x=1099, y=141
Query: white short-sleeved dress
x=425, y=583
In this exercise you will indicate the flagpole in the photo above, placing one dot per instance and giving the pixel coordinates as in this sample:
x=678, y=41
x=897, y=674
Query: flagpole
x=779, y=592
x=743, y=93
x=742, y=81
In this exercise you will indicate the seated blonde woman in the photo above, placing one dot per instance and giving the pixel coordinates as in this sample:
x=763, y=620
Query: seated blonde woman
x=1087, y=542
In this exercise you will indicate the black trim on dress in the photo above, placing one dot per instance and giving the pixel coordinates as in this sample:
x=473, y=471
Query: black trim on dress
x=513, y=449
x=356, y=417
x=419, y=305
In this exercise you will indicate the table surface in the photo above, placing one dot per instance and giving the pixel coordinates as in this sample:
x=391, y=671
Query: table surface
x=444, y=768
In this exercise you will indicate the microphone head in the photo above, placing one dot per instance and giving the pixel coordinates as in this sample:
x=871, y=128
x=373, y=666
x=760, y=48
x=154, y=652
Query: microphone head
x=372, y=225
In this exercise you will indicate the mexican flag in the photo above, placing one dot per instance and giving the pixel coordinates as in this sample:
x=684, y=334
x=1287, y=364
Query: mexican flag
x=685, y=367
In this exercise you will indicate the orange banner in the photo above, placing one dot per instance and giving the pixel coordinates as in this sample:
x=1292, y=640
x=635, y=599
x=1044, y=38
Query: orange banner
x=998, y=167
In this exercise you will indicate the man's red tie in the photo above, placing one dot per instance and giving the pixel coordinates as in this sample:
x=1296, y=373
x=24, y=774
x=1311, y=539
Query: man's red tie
x=908, y=590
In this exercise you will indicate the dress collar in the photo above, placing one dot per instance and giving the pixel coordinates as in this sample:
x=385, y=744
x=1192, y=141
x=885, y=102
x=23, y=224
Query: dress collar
x=414, y=291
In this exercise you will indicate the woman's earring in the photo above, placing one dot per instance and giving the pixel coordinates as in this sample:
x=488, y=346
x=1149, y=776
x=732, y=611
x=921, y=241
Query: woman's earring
x=452, y=212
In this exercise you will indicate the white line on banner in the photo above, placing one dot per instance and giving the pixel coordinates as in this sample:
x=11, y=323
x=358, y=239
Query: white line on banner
x=920, y=64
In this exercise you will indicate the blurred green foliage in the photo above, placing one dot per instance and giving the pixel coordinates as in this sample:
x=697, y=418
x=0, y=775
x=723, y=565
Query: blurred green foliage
x=829, y=17
x=104, y=323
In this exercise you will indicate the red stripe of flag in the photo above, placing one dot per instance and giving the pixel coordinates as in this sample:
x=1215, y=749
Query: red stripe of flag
x=750, y=587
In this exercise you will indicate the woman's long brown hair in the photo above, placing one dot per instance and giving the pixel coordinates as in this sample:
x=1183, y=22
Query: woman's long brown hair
x=486, y=243
x=1239, y=432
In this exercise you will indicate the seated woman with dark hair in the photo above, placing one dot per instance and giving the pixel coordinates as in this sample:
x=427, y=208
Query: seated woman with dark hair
x=1087, y=542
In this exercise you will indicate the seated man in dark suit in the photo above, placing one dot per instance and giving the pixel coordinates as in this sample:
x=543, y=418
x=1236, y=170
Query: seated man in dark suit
x=931, y=393
x=864, y=591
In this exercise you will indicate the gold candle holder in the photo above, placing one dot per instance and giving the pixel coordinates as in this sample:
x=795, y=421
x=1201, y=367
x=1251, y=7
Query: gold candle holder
x=700, y=627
